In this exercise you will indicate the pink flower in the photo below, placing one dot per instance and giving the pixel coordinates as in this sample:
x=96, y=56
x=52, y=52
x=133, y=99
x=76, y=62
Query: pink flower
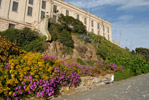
x=14, y=94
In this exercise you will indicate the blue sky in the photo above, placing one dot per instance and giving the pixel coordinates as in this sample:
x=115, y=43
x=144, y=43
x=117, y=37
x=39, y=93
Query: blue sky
x=129, y=18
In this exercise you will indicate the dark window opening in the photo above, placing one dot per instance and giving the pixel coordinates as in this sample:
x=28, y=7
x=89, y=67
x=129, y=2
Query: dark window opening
x=11, y=26
x=43, y=4
x=15, y=6
x=29, y=13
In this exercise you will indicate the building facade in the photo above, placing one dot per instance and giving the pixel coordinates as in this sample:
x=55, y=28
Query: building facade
x=30, y=13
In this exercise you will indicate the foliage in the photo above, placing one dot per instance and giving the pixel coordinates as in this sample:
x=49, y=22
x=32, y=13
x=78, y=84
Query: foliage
x=66, y=39
x=72, y=24
x=80, y=61
x=8, y=49
x=35, y=73
x=135, y=63
x=59, y=33
x=38, y=44
x=24, y=38
x=105, y=48
x=126, y=73
x=85, y=38
x=144, y=52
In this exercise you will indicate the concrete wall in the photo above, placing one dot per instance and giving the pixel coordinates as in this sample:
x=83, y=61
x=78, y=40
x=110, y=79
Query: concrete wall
x=21, y=15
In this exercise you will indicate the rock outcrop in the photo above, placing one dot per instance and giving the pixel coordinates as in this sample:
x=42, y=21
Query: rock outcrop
x=82, y=50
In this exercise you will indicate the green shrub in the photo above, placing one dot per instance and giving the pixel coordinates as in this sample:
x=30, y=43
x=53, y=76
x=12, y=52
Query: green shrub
x=37, y=45
x=85, y=38
x=144, y=52
x=24, y=38
x=126, y=73
x=73, y=25
x=66, y=39
x=135, y=63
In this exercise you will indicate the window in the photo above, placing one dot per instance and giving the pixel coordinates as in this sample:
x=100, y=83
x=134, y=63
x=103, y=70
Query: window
x=0, y=2
x=78, y=16
x=15, y=6
x=103, y=28
x=29, y=13
x=108, y=29
x=98, y=32
x=108, y=37
x=92, y=23
x=54, y=17
x=42, y=14
x=92, y=31
x=98, y=25
x=43, y=4
x=85, y=21
x=11, y=26
x=54, y=8
x=104, y=34
x=67, y=13
x=31, y=2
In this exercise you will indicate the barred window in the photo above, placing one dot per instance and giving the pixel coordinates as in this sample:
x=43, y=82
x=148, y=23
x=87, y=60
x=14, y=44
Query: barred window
x=0, y=2
x=98, y=32
x=103, y=28
x=108, y=29
x=54, y=17
x=43, y=4
x=11, y=26
x=108, y=37
x=85, y=21
x=54, y=8
x=31, y=2
x=92, y=23
x=98, y=25
x=78, y=17
x=15, y=6
x=42, y=14
x=67, y=12
x=30, y=9
x=92, y=31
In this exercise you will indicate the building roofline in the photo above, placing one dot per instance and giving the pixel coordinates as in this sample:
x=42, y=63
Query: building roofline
x=90, y=14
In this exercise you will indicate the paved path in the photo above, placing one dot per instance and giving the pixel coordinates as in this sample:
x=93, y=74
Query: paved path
x=136, y=88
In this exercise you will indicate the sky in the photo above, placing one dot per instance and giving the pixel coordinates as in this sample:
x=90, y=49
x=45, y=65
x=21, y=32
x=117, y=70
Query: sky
x=129, y=18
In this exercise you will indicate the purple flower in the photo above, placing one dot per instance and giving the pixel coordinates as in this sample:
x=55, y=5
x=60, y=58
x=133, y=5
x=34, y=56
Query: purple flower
x=49, y=94
x=23, y=83
x=16, y=98
x=14, y=94
x=8, y=98
x=29, y=92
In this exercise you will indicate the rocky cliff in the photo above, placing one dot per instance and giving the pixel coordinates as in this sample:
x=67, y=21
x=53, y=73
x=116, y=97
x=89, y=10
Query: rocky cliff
x=82, y=50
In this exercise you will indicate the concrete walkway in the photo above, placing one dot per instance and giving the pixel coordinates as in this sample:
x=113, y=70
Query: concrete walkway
x=136, y=88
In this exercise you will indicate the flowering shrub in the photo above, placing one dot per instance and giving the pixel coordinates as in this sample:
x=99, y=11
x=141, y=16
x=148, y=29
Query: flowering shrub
x=8, y=49
x=35, y=73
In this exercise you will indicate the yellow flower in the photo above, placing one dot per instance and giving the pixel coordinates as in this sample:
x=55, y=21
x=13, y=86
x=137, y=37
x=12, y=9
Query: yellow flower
x=10, y=93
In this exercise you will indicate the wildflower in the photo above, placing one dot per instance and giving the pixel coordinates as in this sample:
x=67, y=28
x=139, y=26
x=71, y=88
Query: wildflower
x=14, y=94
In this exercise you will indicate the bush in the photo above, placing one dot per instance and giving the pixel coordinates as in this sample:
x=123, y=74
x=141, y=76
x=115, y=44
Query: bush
x=66, y=39
x=37, y=45
x=73, y=25
x=85, y=38
x=144, y=52
x=24, y=38
x=135, y=63
x=59, y=33
x=8, y=49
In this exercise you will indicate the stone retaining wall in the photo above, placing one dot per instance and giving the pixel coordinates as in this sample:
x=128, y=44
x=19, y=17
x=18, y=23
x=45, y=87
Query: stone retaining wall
x=88, y=83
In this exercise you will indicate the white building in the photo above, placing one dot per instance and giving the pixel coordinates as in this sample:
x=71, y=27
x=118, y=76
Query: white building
x=30, y=13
